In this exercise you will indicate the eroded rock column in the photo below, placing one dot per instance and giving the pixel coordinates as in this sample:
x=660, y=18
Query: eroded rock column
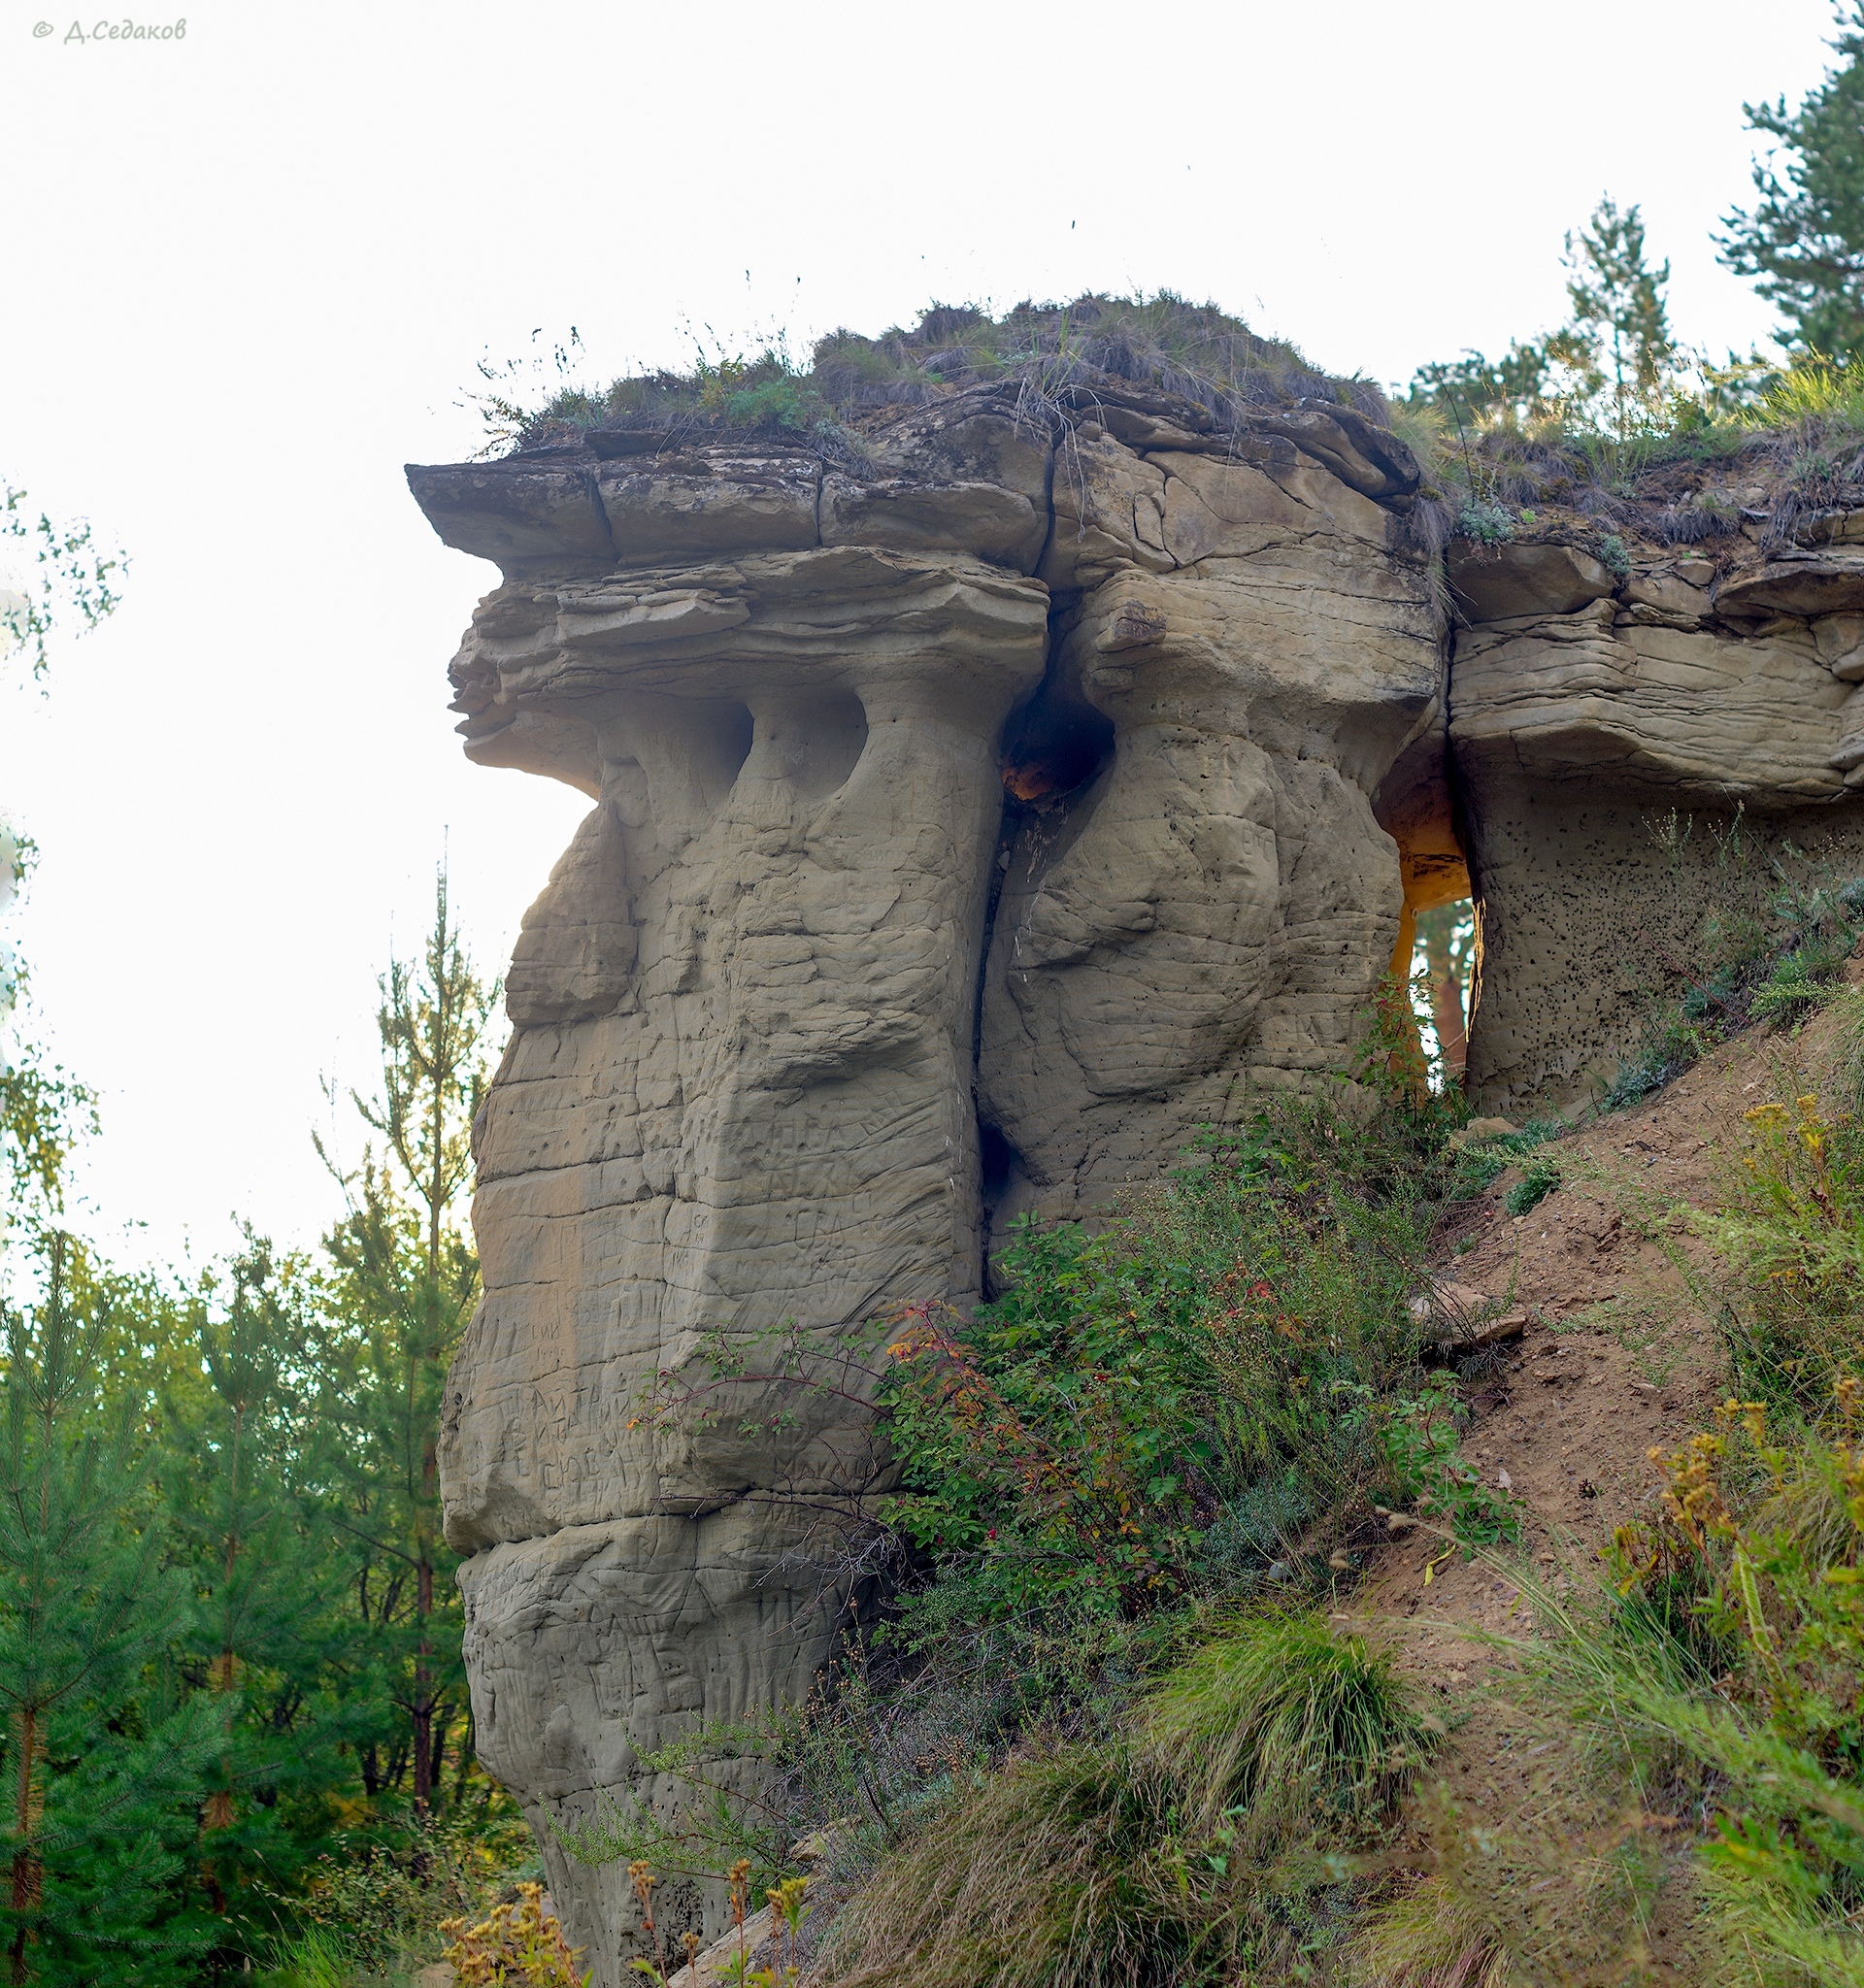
x=738, y=1094
x=758, y=1051
x=1205, y=917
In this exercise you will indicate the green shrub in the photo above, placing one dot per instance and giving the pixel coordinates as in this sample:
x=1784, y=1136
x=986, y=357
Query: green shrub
x=1768, y=1533
x=1481, y=1161
x=378, y=1902
x=1134, y=1393
x=1791, y=1236
x=1804, y=979
x=1672, y=1044
x=1418, y=1433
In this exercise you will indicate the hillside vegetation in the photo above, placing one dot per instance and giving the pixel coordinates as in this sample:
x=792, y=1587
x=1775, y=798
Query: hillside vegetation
x=1286, y=1595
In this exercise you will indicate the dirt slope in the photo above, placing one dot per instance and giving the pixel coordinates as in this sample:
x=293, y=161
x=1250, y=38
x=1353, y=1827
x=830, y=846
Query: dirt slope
x=1620, y=1354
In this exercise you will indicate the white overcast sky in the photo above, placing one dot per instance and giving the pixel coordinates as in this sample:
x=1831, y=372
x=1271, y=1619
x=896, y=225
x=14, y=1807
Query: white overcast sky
x=247, y=274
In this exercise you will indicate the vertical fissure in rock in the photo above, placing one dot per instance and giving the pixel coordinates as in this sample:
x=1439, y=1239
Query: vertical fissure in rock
x=1055, y=747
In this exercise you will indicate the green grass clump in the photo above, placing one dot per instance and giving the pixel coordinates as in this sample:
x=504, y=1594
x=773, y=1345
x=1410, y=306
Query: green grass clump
x=1815, y=392
x=1539, y=1177
x=376, y=1908
x=1207, y=1837
x=1805, y=980
x=1483, y=1160
x=1434, y=1936
x=1276, y=1723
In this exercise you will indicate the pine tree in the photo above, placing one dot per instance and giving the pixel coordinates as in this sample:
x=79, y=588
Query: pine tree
x=1477, y=392
x=1613, y=365
x=406, y=1279
x=260, y=1640
x=1617, y=345
x=1804, y=237
x=101, y=1768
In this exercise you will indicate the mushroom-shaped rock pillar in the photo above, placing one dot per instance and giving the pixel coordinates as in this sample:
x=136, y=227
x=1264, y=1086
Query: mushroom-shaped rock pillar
x=975, y=812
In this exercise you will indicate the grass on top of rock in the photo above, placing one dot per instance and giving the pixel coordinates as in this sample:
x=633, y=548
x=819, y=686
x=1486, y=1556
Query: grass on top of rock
x=1048, y=350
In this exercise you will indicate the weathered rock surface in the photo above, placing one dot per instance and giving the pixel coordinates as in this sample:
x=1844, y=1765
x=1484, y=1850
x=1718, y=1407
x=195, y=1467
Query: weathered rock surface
x=973, y=818
x=1603, y=753
x=981, y=806
x=1204, y=919
x=1492, y=583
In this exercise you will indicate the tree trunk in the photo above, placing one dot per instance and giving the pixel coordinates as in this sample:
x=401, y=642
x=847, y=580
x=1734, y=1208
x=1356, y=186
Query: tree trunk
x=423, y=1692
x=1446, y=999
x=27, y=1882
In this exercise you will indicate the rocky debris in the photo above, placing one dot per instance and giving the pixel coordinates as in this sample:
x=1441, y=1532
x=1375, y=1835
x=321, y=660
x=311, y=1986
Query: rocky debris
x=1802, y=583
x=1458, y=1318
x=1678, y=592
x=1488, y=1331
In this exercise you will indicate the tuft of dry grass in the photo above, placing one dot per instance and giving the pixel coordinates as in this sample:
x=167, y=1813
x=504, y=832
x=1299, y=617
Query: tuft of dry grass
x=1205, y=1840
x=1433, y=1937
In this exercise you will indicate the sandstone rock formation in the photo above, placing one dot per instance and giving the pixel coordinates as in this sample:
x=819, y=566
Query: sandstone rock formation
x=973, y=817
x=1605, y=737
x=986, y=795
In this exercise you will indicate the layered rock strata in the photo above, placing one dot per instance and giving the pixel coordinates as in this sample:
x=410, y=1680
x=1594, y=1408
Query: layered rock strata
x=1634, y=754
x=979, y=808
x=983, y=800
